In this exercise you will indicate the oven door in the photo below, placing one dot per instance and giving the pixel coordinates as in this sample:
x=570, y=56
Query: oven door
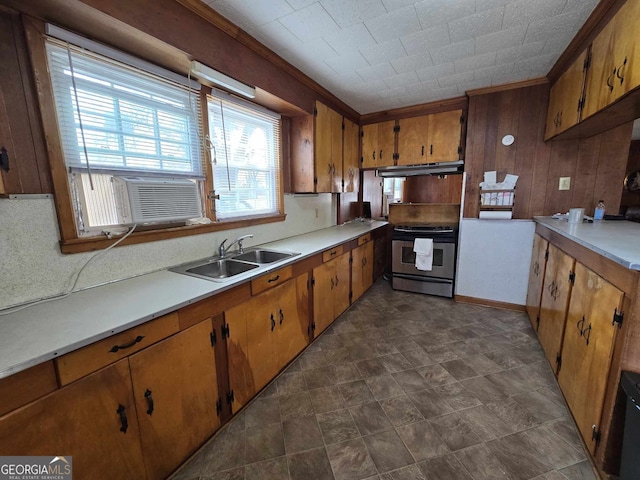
x=403, y=259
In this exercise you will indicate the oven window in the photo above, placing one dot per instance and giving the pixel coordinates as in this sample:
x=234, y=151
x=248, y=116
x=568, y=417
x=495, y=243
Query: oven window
x=409, y=256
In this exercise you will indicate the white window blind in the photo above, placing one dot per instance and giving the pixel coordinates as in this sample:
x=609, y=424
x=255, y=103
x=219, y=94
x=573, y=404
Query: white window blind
x=122, y=119
x=245, y=149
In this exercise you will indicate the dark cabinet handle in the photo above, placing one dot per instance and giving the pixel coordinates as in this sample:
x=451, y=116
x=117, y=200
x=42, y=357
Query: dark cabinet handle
x=124, y=423
x=536, y=268
x=560, y=119
x=281, y=316
x=273, y=322
x=4, y=159
x=364, y=261
x=333, y=253
x=551, y=286
x=580, y=325
x=273, y=279
x=621, y=69
x=422, y=151
x=149, y=398
x=374, y=154
x=337, y=280
x=115, y=348
x=329, y=169
x=609, y=80
x=431, y=150
x=380, y=156
x=332, y=285
x=587, y=333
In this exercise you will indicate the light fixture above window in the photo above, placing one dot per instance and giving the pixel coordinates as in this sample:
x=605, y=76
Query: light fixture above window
x=200, y=70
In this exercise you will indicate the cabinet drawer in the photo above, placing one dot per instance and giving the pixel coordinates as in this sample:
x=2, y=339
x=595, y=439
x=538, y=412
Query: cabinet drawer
x=75, y=365
x=270, y=280
x=364, y=239
x=333, y=253
x=26, y=386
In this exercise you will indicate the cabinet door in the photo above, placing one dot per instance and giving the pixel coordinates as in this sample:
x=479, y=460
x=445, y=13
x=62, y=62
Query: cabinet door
x=241, y=379
x=536, y=277
x=323, y=148
x=588, y=348
x=386, y=143
x=601, y=72
x=443, y=136
x=261, y=326
x=564, y=100
x=361, y=270
x=336, y=151
x=369, y=145
x=555, y=300
x=84, y=420
x=626, y=44
x=350, y=159
x=292, y=318
x=413, y=140
x=343, y=284
x=323, y=298
x=175, y=389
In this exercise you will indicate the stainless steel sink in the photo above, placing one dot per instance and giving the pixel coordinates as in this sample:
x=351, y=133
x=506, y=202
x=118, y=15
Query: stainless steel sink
x=263, y=256
x=218, y=269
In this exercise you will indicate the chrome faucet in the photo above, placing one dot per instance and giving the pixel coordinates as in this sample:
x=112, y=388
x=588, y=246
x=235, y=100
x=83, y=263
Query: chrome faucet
x=222, y=250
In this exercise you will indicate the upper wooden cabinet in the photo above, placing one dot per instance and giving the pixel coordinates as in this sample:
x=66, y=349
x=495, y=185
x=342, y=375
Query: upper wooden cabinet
x=328, y=149
x=378, y=144
x=431, y=138
x=565, y=100
x=351, y=157
x=588, y=349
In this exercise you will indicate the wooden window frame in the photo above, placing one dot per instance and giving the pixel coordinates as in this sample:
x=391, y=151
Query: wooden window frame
x=70, y=242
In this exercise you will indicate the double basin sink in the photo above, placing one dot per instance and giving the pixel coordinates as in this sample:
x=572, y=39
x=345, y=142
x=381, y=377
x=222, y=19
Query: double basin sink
x=233, y=264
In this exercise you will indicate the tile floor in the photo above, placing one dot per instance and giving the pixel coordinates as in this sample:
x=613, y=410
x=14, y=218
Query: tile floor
x=406, y=387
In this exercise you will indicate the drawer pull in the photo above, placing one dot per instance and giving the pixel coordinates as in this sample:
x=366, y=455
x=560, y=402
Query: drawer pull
x=274, y=279
x=333, y=253
x=123, y=418
x=115, y=348
x=422, y=151
x=587, y=333
x=149, y=398
x=281, y=317
x=273, y=322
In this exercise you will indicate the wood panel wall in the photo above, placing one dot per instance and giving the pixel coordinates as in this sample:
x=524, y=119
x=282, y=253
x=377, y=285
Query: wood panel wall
x=596, y=165
x=432, y=189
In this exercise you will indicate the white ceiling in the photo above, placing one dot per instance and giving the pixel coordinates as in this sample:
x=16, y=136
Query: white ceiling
x=382, y=54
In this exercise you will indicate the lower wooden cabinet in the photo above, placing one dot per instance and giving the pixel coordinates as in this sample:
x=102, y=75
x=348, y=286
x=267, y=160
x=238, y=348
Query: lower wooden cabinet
x=93, y=420
x=555, y=300
x=330, y=291
x=587, y=350
x=265, y=333
x=361, y=270
x=536, y=279
x=175, y=389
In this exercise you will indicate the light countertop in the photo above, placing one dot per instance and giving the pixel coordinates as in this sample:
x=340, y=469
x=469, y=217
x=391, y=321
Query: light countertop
x=46, y=331
x=617, y=240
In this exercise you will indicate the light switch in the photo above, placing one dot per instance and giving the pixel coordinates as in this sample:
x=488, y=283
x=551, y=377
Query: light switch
x=564, y=183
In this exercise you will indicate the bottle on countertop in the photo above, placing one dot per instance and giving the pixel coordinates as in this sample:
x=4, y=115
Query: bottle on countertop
x=599, y=212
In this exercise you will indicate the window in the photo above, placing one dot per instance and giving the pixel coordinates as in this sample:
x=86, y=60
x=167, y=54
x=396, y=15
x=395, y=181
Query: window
x=115, y=120
x=245, y=152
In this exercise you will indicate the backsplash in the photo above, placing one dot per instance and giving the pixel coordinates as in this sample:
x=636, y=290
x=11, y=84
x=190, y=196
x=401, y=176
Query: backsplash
x=32, y=267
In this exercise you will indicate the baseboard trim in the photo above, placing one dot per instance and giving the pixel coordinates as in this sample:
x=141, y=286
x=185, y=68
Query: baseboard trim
x=490, y=303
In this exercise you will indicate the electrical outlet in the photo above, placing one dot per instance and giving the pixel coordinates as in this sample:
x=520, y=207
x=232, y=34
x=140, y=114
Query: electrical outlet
x=564, y=183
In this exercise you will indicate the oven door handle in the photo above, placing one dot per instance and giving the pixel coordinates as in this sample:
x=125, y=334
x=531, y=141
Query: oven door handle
x=423, y=279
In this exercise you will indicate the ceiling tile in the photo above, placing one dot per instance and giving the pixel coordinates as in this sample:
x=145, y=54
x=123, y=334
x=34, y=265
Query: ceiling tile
x=435, y=12
x=275, y=36
x=376, y=85
x=522, y=12
x=556, y=44
x=464, y=87
x=432, y=73
x=347, y=63
x=489, y=21
x=343, y=41
x=580, y=4
x=383, y=52
x=391, y=5
x=510, y=78
x=425, y=40
x=453, y=52
x=412, y=62
x=404, y=80
x=475, y=63
x=455, y=79
x=482, y=5
x=381, y=70
x=496, y=71
x=259, y=12
x=520, y=52
x=394, y=24
x=227, y=11
x=499, y=40
x=349, y=13
x=549, y=27
x=537, y=66
x=310, y=22
x=392, y=93
x=298, y=4
x=313, y=50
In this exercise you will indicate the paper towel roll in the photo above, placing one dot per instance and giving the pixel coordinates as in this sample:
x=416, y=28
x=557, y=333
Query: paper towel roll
x=496, y=214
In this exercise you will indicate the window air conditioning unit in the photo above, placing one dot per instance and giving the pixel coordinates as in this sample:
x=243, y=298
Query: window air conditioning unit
x=154, y=200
